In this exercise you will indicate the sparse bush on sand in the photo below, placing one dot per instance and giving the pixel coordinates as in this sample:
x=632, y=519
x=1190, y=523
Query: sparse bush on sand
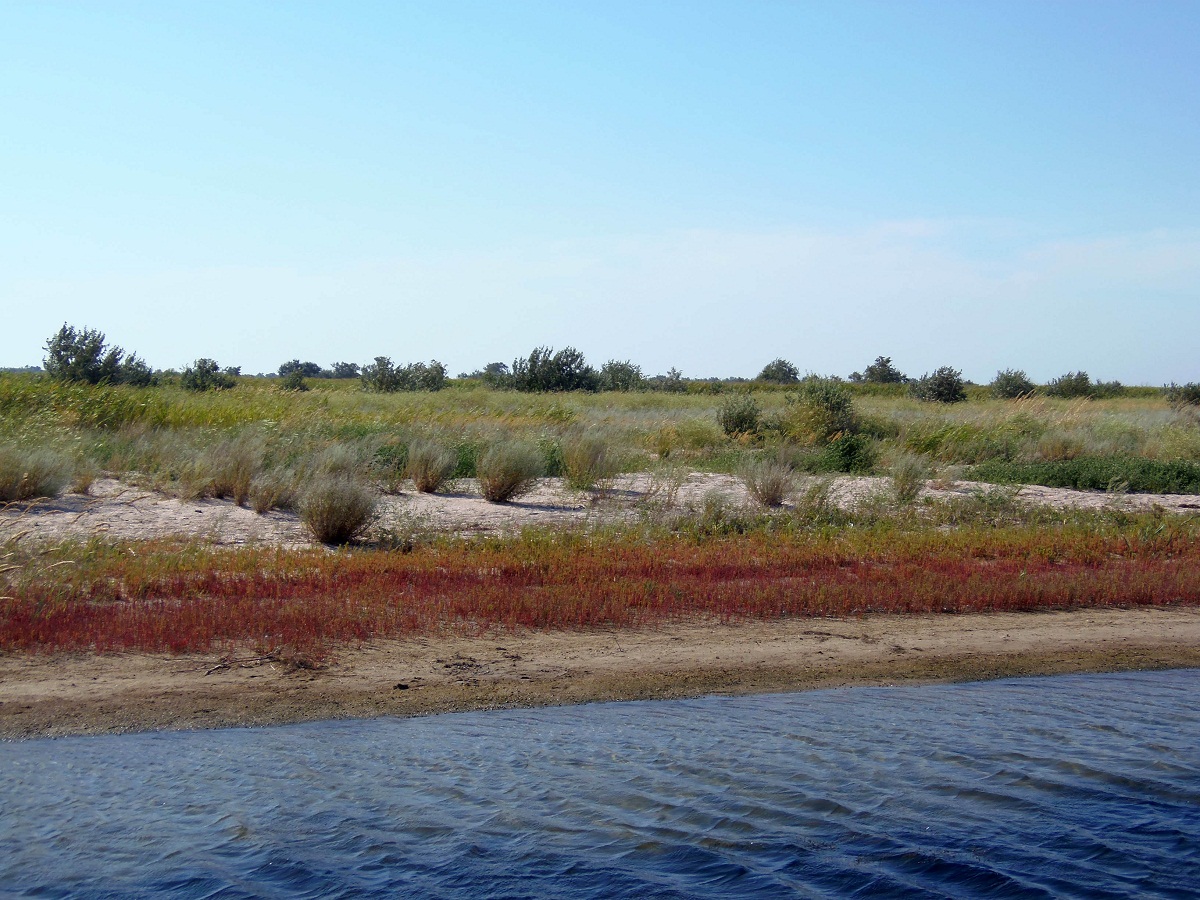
x=336, y=509
x=507, y=470
x=769, y=481
x=26, y=474
x=587, y=463
x=908, y=472
x=430, y=465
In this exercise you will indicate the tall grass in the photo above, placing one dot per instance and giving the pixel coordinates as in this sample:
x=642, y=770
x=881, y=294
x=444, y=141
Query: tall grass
x=29, y=473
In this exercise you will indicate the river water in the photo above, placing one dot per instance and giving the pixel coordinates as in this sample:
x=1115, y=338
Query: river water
x=1078, y=786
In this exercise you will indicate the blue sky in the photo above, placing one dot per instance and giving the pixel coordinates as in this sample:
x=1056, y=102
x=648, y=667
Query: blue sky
x=699, y=185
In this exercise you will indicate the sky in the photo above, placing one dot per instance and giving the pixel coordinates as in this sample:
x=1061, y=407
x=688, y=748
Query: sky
x=698, y=185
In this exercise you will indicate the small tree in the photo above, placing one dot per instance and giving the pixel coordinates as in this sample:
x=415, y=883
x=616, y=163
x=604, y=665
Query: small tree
x=306, y=369
x=1181, y=395
x=618, y=375
x=545, y=371
x=206, y=375
x=344, y=370
x=739, y=414
x=880, y=372
x=293, y=381
x=84, y=356
x=779, y=371
x=1011, y=384
x=945, y=385
x=1073, y=384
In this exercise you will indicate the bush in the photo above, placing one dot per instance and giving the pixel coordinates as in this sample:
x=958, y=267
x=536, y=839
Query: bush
x=769, y=481
x=206, y=375
x=26, y=474
x=293, y=381
x=546, y=371
x=779, y=371
x=880, y=372
x=945, y=385
x=908, y=472
x=619, y=375
x=429, y=465
x=1097, y=473
x=337, y=508
x=383, y=377
x=272, y=490
x=303, y=369
x=820, y=410
x=1011, y=384
x=344, y=370
x=84, y=356
x=508, y=470
x=1183, y=394
x=739, y=414
x=1073, y=384
x=853, y=453
x=586, y=462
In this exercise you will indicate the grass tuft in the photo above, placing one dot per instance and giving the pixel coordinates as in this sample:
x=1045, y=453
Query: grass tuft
x=508, y=470
x=337, y=508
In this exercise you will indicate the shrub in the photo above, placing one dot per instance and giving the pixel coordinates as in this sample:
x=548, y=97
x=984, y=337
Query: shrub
x=26, y=474
x=84, y=356
x=429, y=465
x=945, y=385
x=546, y=371
x=779, y=371
x=508, y=470
x=1183, y=394
x=1011, y=384
x=769, y=481
x=821, y=409
x=853, y=453
x=272, y=490
x=293, y=381
x=206, y=375
x=383, y=377
x=337, y=508
x=304, y=369
x=880, y=372
x=908, y=472
x=619, y=375
x=586, y=462
x=739, y=414
x=1097, y=473
x=344, y=370
x=1073, y=384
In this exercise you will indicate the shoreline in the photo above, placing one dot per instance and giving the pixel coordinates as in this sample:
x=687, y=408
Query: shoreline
x=84, y=694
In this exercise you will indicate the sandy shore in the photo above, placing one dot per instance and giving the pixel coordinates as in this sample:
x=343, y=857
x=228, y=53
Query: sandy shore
x=87, y=694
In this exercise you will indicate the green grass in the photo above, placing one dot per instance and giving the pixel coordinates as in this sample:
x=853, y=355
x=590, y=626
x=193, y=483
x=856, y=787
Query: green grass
x=1091, y=473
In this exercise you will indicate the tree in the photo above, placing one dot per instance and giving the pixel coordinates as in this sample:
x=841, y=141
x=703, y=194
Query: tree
x=206, y=375
x=84, y=356
x=383, y=377
x=345, y=370
x=880, y=372
x=779, y=371
x=620, y=375
x=1011, y=384
x=306, y=369
x=545, y=371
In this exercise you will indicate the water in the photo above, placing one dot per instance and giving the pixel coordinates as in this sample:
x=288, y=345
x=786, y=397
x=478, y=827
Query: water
x=1083, y=786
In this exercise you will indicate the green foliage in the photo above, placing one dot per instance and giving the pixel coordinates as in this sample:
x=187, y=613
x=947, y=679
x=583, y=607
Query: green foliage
x=429, y=465
x=739, y=414
x=818, y=411
x=84, y=357
x=1183, y=394
x=293, y=381
x=880, y=372
x=304, y=369
x=383, y=377
x=1097, y=473
x=852, y=453
x=1010, y=384
x=620, y=375
x=908, y=473
x=27, y=473
x=1073, y=384
x=508, y=470
x=344, y=370
x=779, y=371
x=337, y=508
x=546, y=371
x=587, y=463
x=206, y=375
x=945, y=385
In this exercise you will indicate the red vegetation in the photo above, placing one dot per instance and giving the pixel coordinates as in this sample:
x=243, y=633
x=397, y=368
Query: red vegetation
x=194, y=599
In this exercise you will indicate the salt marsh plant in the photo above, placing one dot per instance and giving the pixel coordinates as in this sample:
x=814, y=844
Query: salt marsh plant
x=337, y=508
x=273, y=489
x=768, y=481
x=507, y=470
x=430, y=465
x=587, y=463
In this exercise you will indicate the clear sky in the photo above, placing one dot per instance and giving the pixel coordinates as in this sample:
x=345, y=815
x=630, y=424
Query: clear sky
x=705, y=185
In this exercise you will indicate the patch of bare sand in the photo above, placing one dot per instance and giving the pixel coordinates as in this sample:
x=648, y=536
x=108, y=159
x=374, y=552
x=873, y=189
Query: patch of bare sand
x=87, y=694
x=122, y=512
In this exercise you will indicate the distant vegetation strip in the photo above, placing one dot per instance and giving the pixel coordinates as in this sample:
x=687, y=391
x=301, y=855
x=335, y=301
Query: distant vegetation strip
x=1097, y=473
x=194, y=598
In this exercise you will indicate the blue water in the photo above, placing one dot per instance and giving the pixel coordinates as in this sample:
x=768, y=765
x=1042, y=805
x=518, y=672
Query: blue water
x=1082, y=786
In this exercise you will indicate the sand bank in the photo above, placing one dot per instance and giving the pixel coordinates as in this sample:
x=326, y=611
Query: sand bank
x=68, y=694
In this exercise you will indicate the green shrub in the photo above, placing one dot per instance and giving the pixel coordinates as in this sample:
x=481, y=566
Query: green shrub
x=880, y=372
x=1073, y=384
x=779, y=371
x=1183, y=394
x=303, y=369
x=908, y=473
x=274, y=489
x=944, y=385
x=336, y=509
x=545, y=371
x=293, y=381
x=1010, y=384
x=28, y=473
x=206, y=375
x=853, y=453
x=508, y=470
x=586, y=462
x=620, y=375
x=84, y=356
x=769, y=481
x=819, y=411
x=430, y=465
x=739, y=414
x=383, y=377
